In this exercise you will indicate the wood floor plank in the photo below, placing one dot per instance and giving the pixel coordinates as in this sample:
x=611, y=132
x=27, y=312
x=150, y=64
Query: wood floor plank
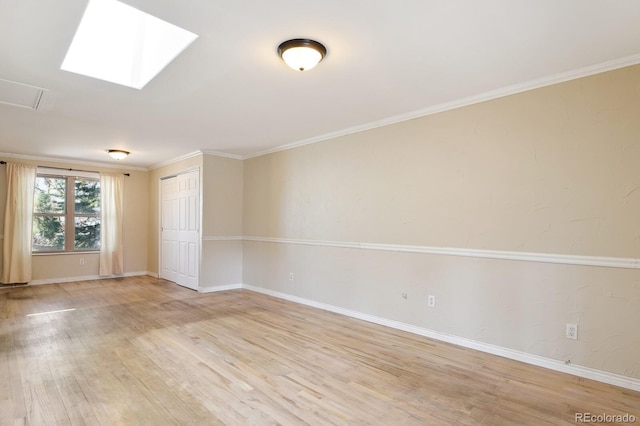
x=140, y=351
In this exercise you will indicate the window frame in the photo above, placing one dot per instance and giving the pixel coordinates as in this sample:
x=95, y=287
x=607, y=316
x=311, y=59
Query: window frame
x=70, y=214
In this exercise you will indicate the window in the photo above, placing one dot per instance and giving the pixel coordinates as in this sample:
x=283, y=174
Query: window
x=66, y=214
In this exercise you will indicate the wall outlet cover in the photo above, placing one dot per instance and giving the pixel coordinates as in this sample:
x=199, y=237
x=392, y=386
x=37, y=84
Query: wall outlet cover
x=572, y=331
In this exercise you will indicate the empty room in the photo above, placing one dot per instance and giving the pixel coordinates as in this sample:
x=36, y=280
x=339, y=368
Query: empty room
x=423, y=212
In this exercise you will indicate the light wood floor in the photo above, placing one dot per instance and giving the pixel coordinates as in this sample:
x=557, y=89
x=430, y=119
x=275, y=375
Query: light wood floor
x=145, y=351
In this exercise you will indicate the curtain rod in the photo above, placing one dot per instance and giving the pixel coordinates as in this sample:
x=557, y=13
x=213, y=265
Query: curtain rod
x=70, y=170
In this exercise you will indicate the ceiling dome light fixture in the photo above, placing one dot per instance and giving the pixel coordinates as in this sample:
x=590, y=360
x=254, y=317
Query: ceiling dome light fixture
x=302, y=54
x=118, y=154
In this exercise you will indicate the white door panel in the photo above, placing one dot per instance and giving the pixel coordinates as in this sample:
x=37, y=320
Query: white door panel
x=181, y=229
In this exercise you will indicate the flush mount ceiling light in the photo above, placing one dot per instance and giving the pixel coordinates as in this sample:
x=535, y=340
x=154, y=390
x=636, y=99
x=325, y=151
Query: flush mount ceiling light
x=120, y=44
x=302, y=54
x=118, y=154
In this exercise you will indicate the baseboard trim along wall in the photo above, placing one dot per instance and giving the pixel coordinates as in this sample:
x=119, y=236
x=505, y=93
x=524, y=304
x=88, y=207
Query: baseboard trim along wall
x=576, y=370
x=566, y=259
x=89, y=278
x=214, y=289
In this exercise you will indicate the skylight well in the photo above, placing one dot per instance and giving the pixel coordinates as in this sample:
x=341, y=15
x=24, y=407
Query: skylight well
x=120, y=44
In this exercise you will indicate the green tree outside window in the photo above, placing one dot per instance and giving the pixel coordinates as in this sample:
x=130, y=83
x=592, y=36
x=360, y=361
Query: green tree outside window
x=56, y=227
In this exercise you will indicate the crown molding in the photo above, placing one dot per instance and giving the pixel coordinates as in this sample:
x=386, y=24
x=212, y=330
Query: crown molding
x=195, y=154
x=175, y=160
x=435, y=109
x=59, y=160
x=222, y=154
x=459, y=103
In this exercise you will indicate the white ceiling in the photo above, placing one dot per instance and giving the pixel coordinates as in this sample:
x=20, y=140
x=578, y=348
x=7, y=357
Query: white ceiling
x=229, y=92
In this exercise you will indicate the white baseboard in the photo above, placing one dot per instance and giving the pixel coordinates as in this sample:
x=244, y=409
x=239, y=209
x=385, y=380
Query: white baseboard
x=576, y=370
x=88, y=278
x=213, y=289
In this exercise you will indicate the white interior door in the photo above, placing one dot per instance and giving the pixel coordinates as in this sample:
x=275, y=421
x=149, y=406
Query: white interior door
x=169, y=229
x=181, y=229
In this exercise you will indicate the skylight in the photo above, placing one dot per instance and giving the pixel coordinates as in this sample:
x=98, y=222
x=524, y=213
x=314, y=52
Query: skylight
x=120, y=44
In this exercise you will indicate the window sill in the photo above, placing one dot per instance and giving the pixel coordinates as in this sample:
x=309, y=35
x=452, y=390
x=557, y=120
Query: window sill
x=64, y=253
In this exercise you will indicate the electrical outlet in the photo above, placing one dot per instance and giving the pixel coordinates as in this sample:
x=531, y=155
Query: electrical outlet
x=290, y=276
x=572, y=331
x=82, y=260
x=431, y=301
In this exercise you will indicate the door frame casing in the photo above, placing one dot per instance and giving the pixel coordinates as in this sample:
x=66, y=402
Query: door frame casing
x=200, y=206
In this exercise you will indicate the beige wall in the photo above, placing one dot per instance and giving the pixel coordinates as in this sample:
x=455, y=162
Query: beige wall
x=222, y=222
x=136, y=210
x=552, y=171
x=222, y=196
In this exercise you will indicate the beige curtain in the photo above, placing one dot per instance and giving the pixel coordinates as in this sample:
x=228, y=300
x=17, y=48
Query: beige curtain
x=18, y=223
x=111, y=256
